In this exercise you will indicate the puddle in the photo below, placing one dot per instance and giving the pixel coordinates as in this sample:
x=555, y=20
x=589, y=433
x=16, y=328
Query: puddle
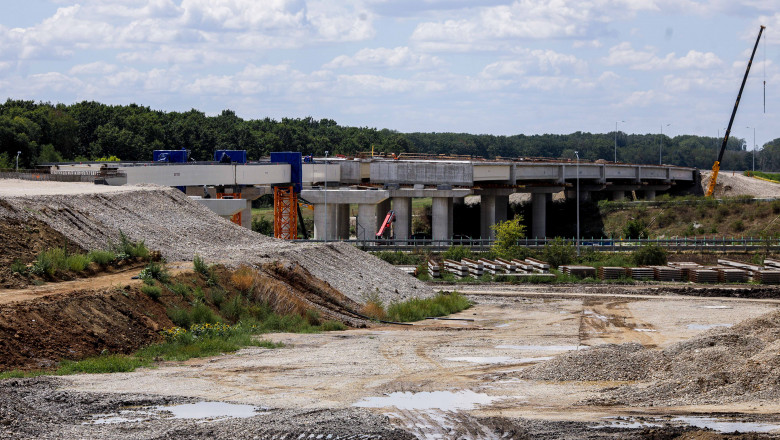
x=706, y=326
x=593, y=314
x=203, y=410
x=483, y=359
x=726, y=426
x=544, y=347
x=503, y=325
x=442, y=400
x=715, y=307
x=625, y=423
x=200, y=410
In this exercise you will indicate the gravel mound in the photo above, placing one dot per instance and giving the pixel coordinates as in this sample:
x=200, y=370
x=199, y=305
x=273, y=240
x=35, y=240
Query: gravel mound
x=737, y=184
x=169, y=222
x=722, y=365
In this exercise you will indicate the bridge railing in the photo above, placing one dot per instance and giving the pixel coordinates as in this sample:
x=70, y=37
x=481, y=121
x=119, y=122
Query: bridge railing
x=596, y=244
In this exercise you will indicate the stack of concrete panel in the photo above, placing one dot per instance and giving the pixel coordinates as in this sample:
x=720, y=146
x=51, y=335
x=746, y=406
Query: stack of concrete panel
x=767, y=276
x=538, y=265
x=666, y=273
x=686, y=267
x=641, y=273
x=611, y=273
x=492, y=267
x=475, y=268
x=509, y=267
x=703, y=275
x=455, y=268
x=523, y=265
x=434, y=269
x=771, y=264
x=579, y=271
x=732, y=275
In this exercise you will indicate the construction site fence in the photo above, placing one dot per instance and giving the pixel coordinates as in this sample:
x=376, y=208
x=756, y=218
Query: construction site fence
x=733, y=244
x=46, y=176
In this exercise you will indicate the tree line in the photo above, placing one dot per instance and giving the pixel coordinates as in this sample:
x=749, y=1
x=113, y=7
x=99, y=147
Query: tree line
x=88, y=130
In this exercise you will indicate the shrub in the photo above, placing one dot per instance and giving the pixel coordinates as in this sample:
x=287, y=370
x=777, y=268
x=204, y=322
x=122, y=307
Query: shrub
x=312, y=317
x=77, y=262
x=154, y=292
x=243, y=278
x=232, y=309
x=650, y=255
x=636, y=228
x=457, y=253
x=200, y=266
x=263, y=226
x=332, y=326
x=180, y=317
x=202, y=314
x=198, y=295
x=507, y=235
x=155, y=271
x=416, y=309
x=127, y=248
x=217, y=296
x=18, y=266
x=101, y=257
x=49, y=262
x=738, y=226
x=181, y=289
x=559, y=252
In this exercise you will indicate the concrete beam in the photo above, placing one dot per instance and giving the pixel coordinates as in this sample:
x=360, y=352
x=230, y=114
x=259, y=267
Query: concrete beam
x=429, y=192
x=226, y=208
x=340, y=196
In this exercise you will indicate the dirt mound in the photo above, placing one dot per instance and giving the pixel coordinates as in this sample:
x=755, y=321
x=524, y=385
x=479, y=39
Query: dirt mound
x=169, y=222
x=737, y=184
x=721, y=365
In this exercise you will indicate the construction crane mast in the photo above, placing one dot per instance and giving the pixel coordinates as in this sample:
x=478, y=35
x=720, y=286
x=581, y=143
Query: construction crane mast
x=716, y=165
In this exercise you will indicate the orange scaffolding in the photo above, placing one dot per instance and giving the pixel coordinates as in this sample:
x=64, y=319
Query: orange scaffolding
x=285, y=212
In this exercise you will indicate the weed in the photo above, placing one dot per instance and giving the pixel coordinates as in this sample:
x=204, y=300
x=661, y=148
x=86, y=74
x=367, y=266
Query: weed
x=312, y=317
x=233, y=308
x=114, y=363
x=181, y=289
x=559, y=252
x=198, y=295
x=243, y=279
x=217, y=296
x=18, y=267
x=457, y=253
x=374, y=310
x=202, y=314
x=738, y=226
x=155, y=271
x=77, y=262
x=650, y=255
x=149, y=281
x=416, y=309
x=154, y=292
x=332, y=326
x=14, y=374
x=180, y=317
x=200, y=266
x=101, y=257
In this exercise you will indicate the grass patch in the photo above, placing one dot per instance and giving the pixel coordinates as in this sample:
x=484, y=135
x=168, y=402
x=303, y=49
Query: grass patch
x=153, y=292
x=19, y=374
x=200, y=266
x=112, y=363
x=101, y=257
x=417, y=309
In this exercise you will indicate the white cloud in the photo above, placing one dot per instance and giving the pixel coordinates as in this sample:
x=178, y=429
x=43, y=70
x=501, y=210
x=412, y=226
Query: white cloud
x=398, y=58
x=96, y=68
x=536, y=62
x=624, y=55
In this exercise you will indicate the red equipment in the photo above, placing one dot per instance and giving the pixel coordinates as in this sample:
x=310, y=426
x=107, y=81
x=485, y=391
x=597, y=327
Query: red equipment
x=387, y=224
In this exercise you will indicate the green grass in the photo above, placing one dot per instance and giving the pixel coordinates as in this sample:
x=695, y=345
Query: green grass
x=153, y=292
x=112, y=363
x=417, y=309
x=18, y=374
x=101, y=257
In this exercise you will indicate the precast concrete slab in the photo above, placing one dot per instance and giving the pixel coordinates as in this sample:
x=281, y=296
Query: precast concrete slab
x=315, y=173
x=345, y=195
x=423, y=172
x=206, y=174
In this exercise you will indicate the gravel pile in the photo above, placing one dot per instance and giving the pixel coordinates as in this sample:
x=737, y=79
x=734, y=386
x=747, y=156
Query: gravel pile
x=736, y=184
x=169, y=222
x=722, y=365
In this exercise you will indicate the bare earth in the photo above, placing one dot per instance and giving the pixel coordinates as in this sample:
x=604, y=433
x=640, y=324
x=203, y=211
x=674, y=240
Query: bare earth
x=426, y=378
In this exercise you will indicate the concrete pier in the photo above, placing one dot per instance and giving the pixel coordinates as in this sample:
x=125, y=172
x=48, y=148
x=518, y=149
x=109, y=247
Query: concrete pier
x=403, y=217
x=442, y=220
x=493, y=208
x=539, y=210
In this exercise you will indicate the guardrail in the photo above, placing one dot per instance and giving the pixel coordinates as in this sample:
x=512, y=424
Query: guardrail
x=596, y=244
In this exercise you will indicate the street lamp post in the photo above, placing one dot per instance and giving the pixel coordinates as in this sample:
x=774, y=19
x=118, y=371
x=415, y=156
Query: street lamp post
x=576, y=153
x=18, y=153
x=616, y=131
x=326, y=197
x=661, y=144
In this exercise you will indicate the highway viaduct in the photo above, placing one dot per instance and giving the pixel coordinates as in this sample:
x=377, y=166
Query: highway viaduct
x=378, y=185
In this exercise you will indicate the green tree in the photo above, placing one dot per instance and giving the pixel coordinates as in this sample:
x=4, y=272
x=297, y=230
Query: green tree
x=508, y=234
x=5, y=161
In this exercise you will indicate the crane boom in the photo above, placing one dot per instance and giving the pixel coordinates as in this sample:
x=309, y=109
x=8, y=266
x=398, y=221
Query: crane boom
x=716, y=165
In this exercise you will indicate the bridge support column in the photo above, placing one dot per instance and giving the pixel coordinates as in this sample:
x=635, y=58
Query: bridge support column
x=403, y=217
x=343, y=221
x=323, y=216
x=649, y=194
x=365, y=227
x=618, y=195
x=539, y=215
x=246, y=215
x=492, y=211
x=441, y=211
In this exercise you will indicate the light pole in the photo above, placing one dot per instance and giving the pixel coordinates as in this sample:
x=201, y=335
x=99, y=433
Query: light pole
x=754, y=148
x=576, y=153
x=326, y=197
x=18, y=153
x=661, y=144
x=616, y=123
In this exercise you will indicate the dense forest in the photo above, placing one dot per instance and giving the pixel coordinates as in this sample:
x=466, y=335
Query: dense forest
x=88, y=130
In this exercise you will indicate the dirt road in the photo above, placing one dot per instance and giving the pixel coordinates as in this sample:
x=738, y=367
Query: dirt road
x=436, y=379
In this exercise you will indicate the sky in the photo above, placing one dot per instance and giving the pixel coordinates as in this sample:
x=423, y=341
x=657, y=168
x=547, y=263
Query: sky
x=482, y=67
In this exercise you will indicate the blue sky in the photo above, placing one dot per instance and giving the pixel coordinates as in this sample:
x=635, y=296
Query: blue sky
x=496, y=67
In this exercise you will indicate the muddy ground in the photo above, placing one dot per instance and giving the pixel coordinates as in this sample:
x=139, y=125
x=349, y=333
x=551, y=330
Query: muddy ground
x=436, y=379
